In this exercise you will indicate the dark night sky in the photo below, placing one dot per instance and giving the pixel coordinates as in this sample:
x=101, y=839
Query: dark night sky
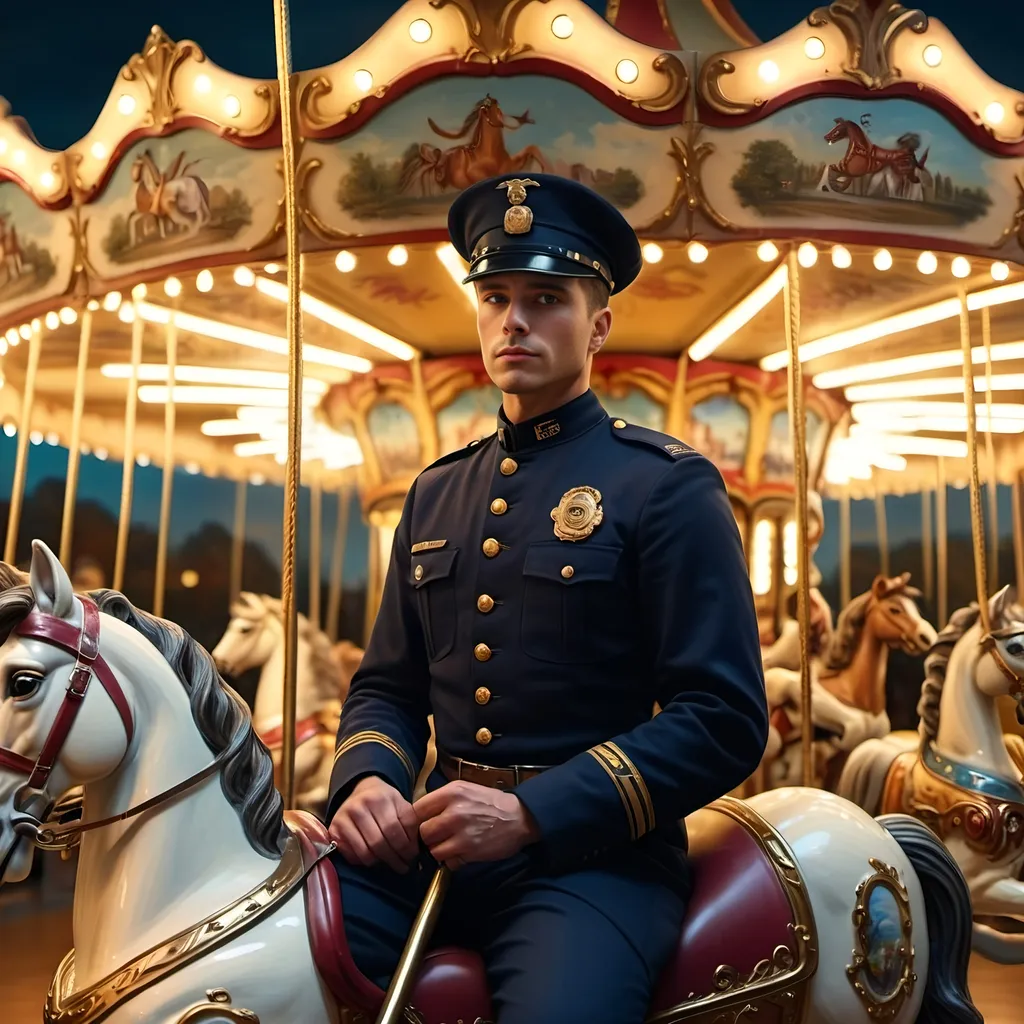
x=57, y=64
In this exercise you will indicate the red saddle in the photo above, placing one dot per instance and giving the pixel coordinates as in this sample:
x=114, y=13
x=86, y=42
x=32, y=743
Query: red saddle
x=741, y=912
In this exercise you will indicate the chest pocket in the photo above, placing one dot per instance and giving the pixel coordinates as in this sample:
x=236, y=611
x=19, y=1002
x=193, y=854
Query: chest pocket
x=432, y=575
x=575, y=605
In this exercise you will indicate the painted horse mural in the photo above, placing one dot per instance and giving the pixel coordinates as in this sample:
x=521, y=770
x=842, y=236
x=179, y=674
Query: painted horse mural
x=192, y=879
x=434, y=170
x=171, y=200
x=900, y=169
x=848, y=681
x=960, y=777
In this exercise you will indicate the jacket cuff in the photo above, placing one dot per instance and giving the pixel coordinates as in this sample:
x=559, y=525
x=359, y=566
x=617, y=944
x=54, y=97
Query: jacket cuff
x=369, y=753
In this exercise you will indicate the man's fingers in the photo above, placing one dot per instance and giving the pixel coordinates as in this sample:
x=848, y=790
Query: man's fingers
x=452, y=852
x=438, y=829
x=351, y=844
x=432, y=804
x=409, y=821
x=398, y=838
x=377, y=842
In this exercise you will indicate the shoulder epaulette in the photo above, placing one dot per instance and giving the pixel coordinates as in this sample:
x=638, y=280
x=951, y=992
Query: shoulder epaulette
x=664, y=443
x=460, y=453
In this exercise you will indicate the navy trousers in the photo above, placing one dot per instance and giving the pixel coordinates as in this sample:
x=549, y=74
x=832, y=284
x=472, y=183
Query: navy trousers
x=585, y=945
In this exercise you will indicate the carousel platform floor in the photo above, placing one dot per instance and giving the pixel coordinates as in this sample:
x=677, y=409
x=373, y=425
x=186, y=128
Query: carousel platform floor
x=35, y=933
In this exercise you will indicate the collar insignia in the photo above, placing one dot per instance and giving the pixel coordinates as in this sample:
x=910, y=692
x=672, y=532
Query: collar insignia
x=547, y=429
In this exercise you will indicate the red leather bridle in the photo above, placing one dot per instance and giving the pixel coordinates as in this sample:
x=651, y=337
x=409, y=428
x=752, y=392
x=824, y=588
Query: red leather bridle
x=988, y=644
x=84, y=644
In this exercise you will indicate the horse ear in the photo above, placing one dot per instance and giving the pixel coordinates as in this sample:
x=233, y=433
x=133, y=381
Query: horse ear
x=880, y=586
x=50, y=584
x=904, y=578
x=999, y=602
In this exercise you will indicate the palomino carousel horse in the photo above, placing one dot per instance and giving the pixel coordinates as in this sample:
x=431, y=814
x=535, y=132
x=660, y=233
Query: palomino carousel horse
x=255, y=638
x=848, y=680
x=198, y=899
x=960, y=778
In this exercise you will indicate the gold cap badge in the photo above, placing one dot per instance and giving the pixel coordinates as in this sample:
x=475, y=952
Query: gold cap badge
x=578, y=514
x=518, y=218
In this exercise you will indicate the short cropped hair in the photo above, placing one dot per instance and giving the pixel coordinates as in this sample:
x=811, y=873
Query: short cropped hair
x=596, y=293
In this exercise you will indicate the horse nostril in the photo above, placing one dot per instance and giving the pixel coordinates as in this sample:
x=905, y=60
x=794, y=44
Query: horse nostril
x=926, y=640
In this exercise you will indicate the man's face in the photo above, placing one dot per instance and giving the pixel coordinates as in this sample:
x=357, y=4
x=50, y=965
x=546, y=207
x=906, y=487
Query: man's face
x=536, y=330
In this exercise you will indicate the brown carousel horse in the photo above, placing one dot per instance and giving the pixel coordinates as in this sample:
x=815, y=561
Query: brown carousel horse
x=848, y=680
x=483, y=156
x=864, y=158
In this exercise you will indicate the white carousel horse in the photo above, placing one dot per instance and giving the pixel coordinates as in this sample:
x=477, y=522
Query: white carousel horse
x=847, y=680
x=198, y=899
x=254, y=638
x=960, y=778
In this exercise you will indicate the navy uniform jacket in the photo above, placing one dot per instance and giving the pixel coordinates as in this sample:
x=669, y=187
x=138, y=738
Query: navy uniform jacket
x=533, y=650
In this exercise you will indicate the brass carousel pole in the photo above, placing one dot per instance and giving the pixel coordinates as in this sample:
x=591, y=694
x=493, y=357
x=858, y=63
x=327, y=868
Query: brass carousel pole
x=941, y=544
x=315, y=527
x=977, y=515
x=791, y=300
x=167, y=488
x=844, y=547
x=927, y=543
x=124, y=519
x=338, y=564
x=67, y=523
x=990, y=456
x=293, y=465
x=1018, y=537
x=238, y=541
x=882, y=529
x=21, y=459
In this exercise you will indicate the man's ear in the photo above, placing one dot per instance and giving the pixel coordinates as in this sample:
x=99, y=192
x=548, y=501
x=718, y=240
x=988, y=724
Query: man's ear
x=600, y=331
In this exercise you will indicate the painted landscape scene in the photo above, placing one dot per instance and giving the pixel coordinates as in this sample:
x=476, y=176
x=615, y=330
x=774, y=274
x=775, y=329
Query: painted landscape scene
x=465, y=134
x=26, y=265
x=889, y=160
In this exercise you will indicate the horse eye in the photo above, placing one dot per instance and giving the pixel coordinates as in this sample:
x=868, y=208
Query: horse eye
x=1016, y=648
x=23, y=684
x=246, y=628
x=893, y=610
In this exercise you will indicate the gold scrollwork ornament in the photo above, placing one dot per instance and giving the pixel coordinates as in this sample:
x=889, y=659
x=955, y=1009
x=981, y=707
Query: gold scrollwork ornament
x=882, y=972
x=578, y=514
x=218, y=1009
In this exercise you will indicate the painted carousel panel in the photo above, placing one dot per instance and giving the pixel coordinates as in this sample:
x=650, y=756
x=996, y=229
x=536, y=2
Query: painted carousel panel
x=37, y=250
x=467, y=418
x=720, y=429
x=777, y=461
x=186, y=196
x=401, y=170
x=860, y=164
x=396, y=440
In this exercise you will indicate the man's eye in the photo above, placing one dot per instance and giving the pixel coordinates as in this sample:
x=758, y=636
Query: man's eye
x=494, y=299
x=548, y=300
x=23, y=684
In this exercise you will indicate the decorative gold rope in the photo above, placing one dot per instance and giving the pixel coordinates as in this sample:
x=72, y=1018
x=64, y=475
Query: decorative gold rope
x=67, y=523
x=167, y=483
x=990, y=456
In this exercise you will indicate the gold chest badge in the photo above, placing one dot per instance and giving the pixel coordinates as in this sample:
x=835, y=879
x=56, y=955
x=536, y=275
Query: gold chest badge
x=578, y=514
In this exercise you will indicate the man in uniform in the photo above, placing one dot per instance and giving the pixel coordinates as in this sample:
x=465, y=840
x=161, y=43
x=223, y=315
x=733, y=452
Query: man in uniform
x=547, y=586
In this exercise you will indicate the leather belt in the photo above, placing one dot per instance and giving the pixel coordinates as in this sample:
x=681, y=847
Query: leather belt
x=456, y=769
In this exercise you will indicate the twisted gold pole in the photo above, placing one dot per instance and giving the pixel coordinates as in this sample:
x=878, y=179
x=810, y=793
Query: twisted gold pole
x=791, y=300
x=238, y=541
x=67, y=523
x=927, y=544
x=882, y=529
x=844, y=547
x=315, y=530
x=167, y=484
x=990, y=456
x=124, y=519
x=293, y=466
x=28, y=397
x=941, y=544
x=338, y=564
x=977, y=517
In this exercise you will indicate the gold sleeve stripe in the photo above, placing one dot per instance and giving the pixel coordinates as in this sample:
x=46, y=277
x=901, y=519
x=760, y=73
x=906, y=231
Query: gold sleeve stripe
x=630, y=786
x=371, y=736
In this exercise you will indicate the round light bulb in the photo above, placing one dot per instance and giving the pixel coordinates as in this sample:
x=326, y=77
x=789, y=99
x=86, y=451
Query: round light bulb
x=52, y=438
x=994, y=113
x=12, y=336
x=363, y=80
x=882, y=259
x=271, y=268
x=172, y=287
x=204, y=281
x=101, y=454
x=92, y=305
x=562, y=26
x=814, y=48
x=398, y=255
x=47, y=179
x=420, y=30
x=232, y=106
x=189, y=578
x=244, y=276
x=807, y=255
x=841, y=257
x=927, y=263
x=10, y=429
x=653, y=252
x=99, y=151
x=36, y=437
x=139, y=292
x=112, y=301
x=627, y=71
x=201, y=84
x=67, y=315
x=697, y=252
x=192, y=467
x=257, y=479
x=767, y=251
x=345, y=261
x=142, y=459
x=960, y=267
x=52, y=321
x=126, y=104
x=932, y=55
x=25, y=330
x=768, y=71
x=1000, y=271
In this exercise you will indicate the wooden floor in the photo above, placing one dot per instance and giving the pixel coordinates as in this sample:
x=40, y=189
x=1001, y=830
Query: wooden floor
x=35, y=933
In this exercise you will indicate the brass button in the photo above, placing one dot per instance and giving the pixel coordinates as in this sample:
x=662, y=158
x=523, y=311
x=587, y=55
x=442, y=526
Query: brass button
x=482, y=652
x=484, y=736
x=482, y=695
x=618, y=424
x=508, y=467
x=491, y=547
x=418, y=572
x=567, y=571
x=499, y=506
x=484, y=603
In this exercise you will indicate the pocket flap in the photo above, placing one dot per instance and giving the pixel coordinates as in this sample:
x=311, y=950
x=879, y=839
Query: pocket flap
x=429, y=566
x=563, y=562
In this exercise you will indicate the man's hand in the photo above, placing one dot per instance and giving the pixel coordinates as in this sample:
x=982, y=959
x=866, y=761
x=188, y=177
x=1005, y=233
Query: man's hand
x=463, y=822
x=376, y=823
